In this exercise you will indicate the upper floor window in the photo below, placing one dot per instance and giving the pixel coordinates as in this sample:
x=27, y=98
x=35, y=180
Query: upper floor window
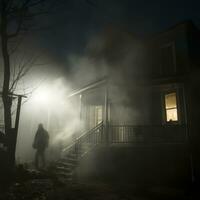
x=168, y=60
x=171, y=110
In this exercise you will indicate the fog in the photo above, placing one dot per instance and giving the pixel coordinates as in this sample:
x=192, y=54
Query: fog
x=112, y=53
x=49, y=105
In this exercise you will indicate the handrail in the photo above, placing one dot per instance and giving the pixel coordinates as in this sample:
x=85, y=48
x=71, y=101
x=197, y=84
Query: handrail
x=91, y=130
x=149, y=125
x=169, y=133
x=86, y=133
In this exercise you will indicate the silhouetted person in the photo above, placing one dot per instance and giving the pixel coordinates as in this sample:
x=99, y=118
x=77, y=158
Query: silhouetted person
x=41, y=142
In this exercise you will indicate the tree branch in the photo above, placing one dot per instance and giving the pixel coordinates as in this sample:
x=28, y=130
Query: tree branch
x=23, y=69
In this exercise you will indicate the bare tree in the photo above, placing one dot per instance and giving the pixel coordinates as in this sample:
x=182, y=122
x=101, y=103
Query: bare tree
x=16, y=17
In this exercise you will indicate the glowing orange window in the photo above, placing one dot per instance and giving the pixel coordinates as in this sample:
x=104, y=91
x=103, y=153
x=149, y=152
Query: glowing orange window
x=171, y=107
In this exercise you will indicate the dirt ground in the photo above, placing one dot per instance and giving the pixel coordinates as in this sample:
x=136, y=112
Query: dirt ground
x=45, y=189
x=35, y=185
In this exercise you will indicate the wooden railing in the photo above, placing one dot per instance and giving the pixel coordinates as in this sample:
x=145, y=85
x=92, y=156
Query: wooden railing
x=129, y=134
x=91, y=137
x=147, y=134
x=2, y=127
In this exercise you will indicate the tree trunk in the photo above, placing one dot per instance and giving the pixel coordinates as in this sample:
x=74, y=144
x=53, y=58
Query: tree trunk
x=7, y=101
x=6, y=97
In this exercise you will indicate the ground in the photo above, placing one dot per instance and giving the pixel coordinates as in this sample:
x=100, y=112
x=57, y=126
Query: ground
x=42, y=185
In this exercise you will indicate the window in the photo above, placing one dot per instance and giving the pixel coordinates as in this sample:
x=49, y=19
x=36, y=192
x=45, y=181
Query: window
x=168, y=65
x=171, y=107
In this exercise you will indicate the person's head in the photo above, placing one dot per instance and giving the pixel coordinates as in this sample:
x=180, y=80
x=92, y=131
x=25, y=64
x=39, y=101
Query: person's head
x=40, y=126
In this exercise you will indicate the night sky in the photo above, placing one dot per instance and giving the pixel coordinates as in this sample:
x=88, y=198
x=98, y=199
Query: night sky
x=73, y=22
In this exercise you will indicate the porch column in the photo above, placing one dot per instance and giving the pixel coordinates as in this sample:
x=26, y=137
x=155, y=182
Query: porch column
x=80, y=108
x=106, y=127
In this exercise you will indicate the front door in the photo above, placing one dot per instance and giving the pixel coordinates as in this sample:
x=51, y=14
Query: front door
x=95, y=115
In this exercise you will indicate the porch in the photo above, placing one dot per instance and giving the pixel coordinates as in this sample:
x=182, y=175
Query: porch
x=133, y=135
x=127, y=152
x=109, y=119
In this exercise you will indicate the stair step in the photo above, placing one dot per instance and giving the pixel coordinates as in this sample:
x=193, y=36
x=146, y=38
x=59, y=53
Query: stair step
x=72, y=161
x=73, y=156
x=65, y=169
x=65, y=164
x=64, y=174
x=64, y=180
x=68, y=159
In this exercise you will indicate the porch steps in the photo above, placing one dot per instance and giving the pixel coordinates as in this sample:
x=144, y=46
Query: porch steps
x=65, y=167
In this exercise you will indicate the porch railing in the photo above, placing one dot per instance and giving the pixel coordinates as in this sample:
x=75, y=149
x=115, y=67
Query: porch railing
x=128, y=134
x=91, y=137
x=147, y=134
x=2, y=127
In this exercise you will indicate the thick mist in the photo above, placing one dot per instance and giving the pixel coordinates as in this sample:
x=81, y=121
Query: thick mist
x=114, y=55
x=49, y=105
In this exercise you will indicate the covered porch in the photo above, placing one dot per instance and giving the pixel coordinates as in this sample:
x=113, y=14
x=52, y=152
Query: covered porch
x=98, y=117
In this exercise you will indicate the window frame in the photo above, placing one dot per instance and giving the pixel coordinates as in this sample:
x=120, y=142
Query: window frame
x=164, y=110
x=169, y=44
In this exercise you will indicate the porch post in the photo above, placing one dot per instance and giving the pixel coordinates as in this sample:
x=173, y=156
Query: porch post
x=80, y=107
x=106, y=128
x=18, y=113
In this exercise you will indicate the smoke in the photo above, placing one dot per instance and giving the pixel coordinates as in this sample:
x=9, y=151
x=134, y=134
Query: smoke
x=49, y=104
x=119, y=56
x=114, y=54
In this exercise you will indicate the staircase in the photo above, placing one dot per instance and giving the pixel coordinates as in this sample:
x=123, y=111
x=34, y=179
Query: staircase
x=71, y=155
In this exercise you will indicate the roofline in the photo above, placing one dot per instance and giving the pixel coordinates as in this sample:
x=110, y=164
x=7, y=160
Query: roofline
x=185, y=23
x=88, y=87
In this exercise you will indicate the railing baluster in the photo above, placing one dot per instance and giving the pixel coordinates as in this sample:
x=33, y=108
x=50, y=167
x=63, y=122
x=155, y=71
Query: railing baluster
x=147, y=134
x=131, y=134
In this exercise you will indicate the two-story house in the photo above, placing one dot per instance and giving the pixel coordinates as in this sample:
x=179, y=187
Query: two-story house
x=139, y=120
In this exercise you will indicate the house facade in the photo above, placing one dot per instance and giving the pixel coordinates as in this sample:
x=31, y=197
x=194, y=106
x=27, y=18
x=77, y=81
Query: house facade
x=142, y=117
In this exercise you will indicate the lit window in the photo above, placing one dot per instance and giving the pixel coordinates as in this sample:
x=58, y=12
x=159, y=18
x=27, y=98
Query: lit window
x=171, y=107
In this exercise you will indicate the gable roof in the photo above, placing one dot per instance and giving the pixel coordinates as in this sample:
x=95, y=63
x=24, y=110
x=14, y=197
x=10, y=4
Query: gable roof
x=88, y=87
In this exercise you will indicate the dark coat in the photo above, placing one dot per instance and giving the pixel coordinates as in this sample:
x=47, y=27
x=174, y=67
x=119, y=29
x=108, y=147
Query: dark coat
x=41, y=140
